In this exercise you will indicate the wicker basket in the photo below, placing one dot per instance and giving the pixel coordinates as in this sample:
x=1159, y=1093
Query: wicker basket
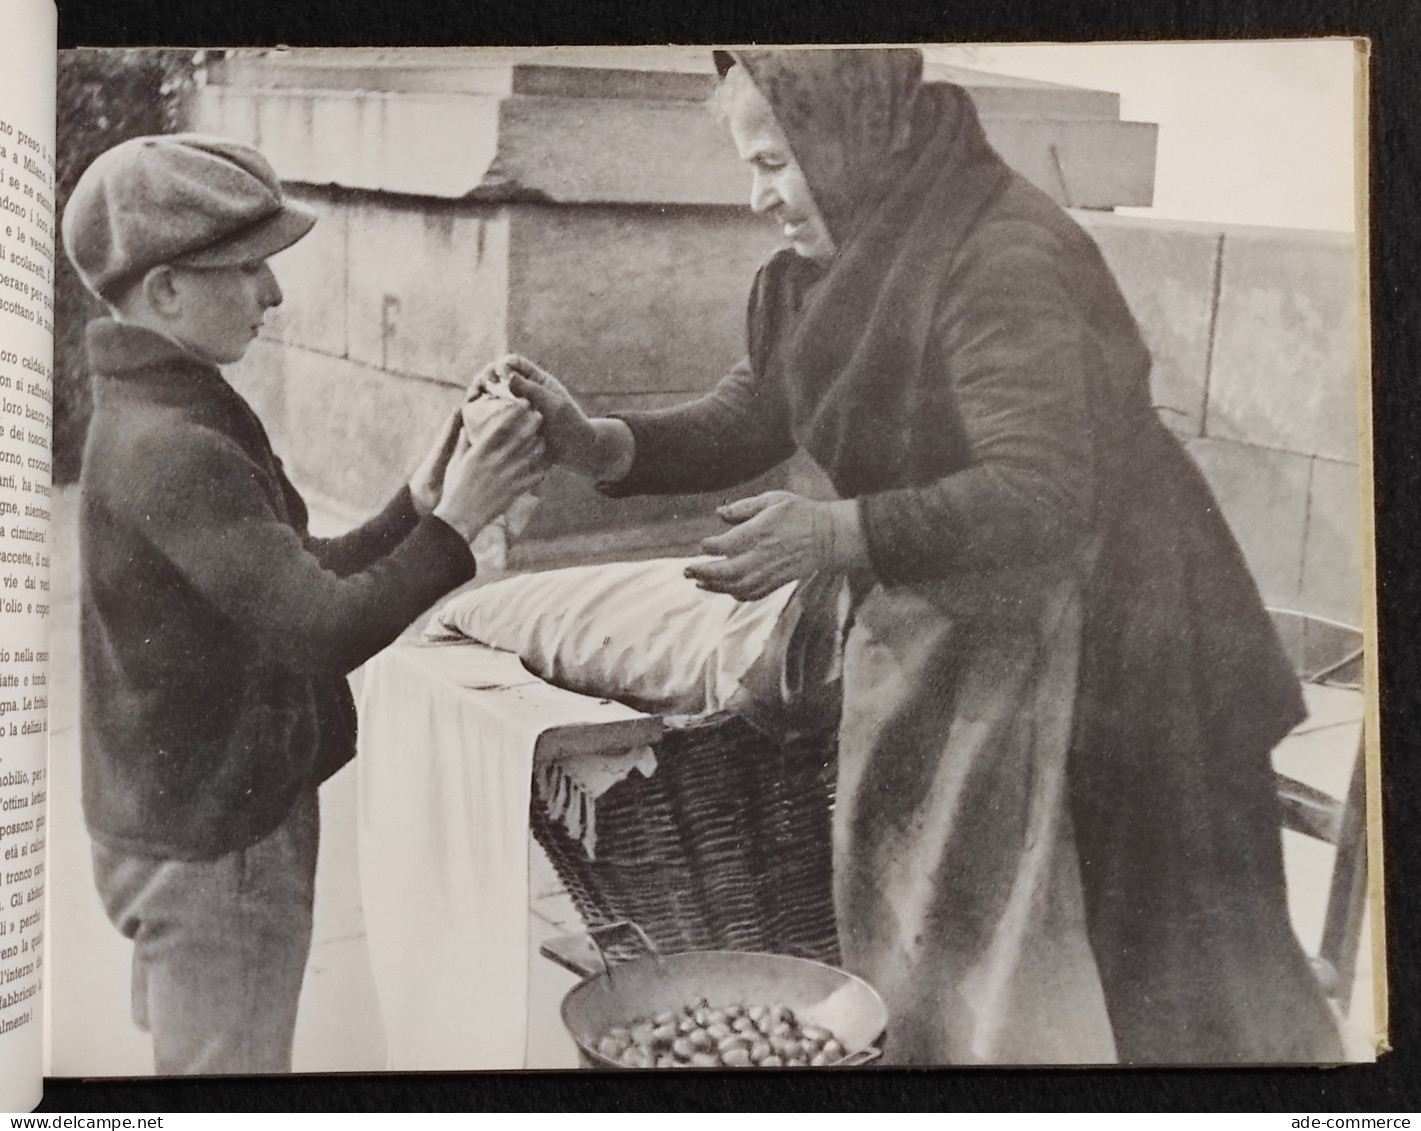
x=725, y=847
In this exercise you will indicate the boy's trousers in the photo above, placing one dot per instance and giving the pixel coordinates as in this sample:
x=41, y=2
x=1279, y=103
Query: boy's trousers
x=219, y=946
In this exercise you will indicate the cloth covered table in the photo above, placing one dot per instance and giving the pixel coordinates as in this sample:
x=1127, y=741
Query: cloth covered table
x=449, y=735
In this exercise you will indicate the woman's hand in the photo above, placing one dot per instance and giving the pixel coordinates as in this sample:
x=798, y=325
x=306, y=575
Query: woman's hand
x=601, y=449
x=427, y=483
x=779, y=537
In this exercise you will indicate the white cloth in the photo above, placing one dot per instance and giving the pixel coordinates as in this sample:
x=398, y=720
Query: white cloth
x=448, y=737
x=641, y=632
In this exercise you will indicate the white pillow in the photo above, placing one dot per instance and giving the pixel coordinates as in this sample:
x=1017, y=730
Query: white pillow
x=638, y=632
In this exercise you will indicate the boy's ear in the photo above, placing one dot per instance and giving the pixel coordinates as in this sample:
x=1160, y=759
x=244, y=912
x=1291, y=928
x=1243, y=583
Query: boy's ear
x=161, y=292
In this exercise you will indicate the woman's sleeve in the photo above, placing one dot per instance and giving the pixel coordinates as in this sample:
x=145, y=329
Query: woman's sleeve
x=1014, y=343
x=737, y=431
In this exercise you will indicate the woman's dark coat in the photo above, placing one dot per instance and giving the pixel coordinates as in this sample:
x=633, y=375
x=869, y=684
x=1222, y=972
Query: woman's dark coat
x=968, y=370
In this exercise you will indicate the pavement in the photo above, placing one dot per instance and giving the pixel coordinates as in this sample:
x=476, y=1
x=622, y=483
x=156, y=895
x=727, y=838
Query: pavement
x=339, y=1029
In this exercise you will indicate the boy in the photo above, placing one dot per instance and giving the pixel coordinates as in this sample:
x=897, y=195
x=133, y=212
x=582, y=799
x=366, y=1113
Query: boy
x=216, y=633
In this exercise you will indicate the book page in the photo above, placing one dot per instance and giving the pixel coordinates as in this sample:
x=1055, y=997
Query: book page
x=27, y=241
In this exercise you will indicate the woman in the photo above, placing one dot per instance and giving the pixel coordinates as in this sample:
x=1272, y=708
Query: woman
x=1056, y=837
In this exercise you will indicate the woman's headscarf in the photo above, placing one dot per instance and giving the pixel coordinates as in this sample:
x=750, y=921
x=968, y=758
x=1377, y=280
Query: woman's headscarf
x=899, y=171
x=852, y=118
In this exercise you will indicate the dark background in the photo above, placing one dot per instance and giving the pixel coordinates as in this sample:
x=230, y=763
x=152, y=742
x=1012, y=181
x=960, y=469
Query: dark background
x=1395, y=28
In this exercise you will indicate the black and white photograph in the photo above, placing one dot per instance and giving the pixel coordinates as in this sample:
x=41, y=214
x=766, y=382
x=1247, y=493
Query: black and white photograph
x=745, y=558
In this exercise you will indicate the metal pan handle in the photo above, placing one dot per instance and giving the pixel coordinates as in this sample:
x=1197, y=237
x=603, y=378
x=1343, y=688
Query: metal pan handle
x=622, y=925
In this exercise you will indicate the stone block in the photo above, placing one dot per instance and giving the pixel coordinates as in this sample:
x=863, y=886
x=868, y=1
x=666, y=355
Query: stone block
x=286, y=131
x=363, y=69
x=1263, y=494
x=226, y=112
x=587, y=128
x=1332, y=550
x=1284, y=370
x=353, y=434
x=1009, y=95
x=312, y=275
x=427, y=286
x=633, y=301
x=643, y=73
x=1080, y=163
x=433, y=145
x=1167, y=273
x=618, y=150
x=439, y=145
x=343, y=131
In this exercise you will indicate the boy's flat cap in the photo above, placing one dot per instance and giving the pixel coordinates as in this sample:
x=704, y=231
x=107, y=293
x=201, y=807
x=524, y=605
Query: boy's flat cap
x=185, y=199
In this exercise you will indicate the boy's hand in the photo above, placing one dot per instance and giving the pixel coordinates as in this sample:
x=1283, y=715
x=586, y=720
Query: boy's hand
x=493, y=462
x=427, y=483
x=602, y=449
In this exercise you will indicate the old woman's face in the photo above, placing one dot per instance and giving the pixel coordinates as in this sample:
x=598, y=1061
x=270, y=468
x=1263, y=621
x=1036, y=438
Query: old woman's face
x=779, y=189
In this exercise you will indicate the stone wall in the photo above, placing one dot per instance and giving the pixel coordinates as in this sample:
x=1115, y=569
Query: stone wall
x=391, y=307
x=590, y=217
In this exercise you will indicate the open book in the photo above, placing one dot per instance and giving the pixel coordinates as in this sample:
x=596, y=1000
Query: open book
x=528, y=778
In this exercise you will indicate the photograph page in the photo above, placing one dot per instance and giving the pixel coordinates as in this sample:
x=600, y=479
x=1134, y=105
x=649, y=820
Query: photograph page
x=674, y=557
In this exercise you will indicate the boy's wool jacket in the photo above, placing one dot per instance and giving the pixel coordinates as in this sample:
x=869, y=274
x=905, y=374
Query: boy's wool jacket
x=216, y=632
